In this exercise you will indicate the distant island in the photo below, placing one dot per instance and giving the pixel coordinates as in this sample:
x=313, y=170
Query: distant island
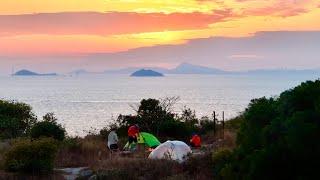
x=184, y=68
x=30, y=73
x=146, y=73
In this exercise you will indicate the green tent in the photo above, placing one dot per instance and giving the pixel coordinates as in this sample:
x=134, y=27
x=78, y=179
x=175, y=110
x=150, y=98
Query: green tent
x=148, y=139
x=145, y=138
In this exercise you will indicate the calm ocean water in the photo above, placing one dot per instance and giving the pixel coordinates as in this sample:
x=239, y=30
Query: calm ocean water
x=90, y=101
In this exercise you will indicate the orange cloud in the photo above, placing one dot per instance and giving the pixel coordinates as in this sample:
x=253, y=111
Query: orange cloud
x=275, y=11
x=280, y=8
x=90, y=26
x=71, y=23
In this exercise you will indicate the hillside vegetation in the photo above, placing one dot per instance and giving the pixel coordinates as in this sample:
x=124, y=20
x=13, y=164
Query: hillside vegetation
x=278, y=138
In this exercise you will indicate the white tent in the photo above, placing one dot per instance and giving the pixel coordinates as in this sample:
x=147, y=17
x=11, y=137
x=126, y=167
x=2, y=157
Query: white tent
x=173, y=150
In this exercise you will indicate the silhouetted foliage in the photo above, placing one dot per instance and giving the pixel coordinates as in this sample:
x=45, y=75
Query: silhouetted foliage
x=48, y=128
x=278, y=138
x=157, y=117
x=16, y=119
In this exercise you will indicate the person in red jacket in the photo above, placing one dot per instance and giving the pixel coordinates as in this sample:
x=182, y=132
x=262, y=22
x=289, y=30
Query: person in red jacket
x=133, y=133
x=195, y=141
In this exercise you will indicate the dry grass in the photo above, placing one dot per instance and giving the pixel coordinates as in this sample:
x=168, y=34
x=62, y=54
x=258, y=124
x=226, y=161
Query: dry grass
x=229, y=140
x=226, y=139
x=79, y=152
x=88, y=151
x=138, y=168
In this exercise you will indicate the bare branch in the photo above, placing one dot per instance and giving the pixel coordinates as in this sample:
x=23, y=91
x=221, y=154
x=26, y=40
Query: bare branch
x=168, y=103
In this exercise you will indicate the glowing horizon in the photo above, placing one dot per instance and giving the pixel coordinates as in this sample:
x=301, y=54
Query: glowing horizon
x=32, y=28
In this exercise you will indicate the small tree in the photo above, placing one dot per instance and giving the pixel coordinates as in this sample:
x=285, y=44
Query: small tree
x=16, y=119
x=151, y=115
x=48, y=128
x=189, y=116
x=50, y=117
x=156, y=116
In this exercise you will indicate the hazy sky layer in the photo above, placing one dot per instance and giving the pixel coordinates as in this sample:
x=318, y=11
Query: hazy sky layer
x=59, y=35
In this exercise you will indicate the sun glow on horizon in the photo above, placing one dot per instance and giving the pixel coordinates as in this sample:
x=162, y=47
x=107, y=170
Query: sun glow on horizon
x=96, y=26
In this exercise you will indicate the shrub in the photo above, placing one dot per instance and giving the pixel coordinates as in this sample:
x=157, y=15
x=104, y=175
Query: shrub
x=278, y=137
x=173, y=129
x=16, y=119
x=199, y=166
x=221, y=159
x=48, y=128
x=31, y=156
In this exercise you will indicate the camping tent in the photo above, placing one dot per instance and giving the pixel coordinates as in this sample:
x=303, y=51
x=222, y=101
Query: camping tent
x=174, y=150
x=146, y=138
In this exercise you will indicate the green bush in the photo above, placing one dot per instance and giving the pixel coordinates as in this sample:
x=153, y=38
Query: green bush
x=278, y=138
x=16, y=119
x=31, y=156
x=175, y=129
x=48, y=128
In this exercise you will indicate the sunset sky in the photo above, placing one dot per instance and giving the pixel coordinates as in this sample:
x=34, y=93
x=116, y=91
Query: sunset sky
x=63, y=35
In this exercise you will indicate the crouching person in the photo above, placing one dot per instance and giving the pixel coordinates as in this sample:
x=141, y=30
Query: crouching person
x=113, y=141
x=133, y=134
x=195, y=141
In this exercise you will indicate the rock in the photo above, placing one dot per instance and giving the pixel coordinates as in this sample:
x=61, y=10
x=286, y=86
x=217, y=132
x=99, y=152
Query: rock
x=85, y=173
x=74, y=173
x=93, y=177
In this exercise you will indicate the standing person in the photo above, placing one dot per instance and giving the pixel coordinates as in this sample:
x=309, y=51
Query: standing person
x=195, y=141
x=113, y=140
x=133, y=134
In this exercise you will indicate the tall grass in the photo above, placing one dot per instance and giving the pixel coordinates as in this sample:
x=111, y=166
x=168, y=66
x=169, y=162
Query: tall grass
x=78, y=152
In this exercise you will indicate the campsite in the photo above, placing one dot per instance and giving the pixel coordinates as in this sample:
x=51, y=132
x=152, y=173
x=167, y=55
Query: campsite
x=159, y=89
x=164, y=155
x=228, y=150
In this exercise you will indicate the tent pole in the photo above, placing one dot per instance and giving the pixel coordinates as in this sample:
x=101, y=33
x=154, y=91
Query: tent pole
x=222, y=124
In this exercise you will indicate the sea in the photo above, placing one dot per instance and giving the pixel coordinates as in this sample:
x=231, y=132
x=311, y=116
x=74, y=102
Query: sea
x=87, y=103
